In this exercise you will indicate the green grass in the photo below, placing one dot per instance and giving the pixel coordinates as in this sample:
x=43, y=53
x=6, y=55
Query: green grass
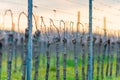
x=52, y=74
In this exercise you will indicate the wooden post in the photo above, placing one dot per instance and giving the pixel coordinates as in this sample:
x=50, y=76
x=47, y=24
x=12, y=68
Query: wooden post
x=104, y=24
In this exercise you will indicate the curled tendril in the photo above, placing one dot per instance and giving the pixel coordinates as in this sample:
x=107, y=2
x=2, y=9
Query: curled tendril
x=10, y=11
x=71, y=27
x=100, y=29
x=118, y=35
x=43, y=24
x=35, y=21
x=22, y=13
x=61, y=21
x=78, y=23
x=97, y=30
x=52, y=23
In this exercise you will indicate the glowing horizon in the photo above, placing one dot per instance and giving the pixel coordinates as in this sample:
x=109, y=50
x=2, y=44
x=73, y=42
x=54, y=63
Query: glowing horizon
x=109, y=9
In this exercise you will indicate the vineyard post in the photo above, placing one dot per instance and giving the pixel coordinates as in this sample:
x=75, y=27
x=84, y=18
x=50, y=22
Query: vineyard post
x=47, y=49
x=1, y=45
x=57, y=43
x=64, y=49
x=118, y=56
x=105, y=33
x=78, y=35
x=9, y=66
x=36, y=40
x=15, y=54
x=11, y=45
x=82, y=38
x=29, y=43
x=43, y=42
x=99, y=48
x=23, y=46
x=48, y=60
x=24, y=55
x=104, y=48
x=112, y=50
x=47, y=54
x=71, y=35
x=90, y=41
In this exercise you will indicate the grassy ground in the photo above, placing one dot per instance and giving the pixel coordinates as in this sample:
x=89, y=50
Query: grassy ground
x=52, y=74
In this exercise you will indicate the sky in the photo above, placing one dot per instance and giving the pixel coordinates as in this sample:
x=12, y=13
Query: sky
x=65, y=10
